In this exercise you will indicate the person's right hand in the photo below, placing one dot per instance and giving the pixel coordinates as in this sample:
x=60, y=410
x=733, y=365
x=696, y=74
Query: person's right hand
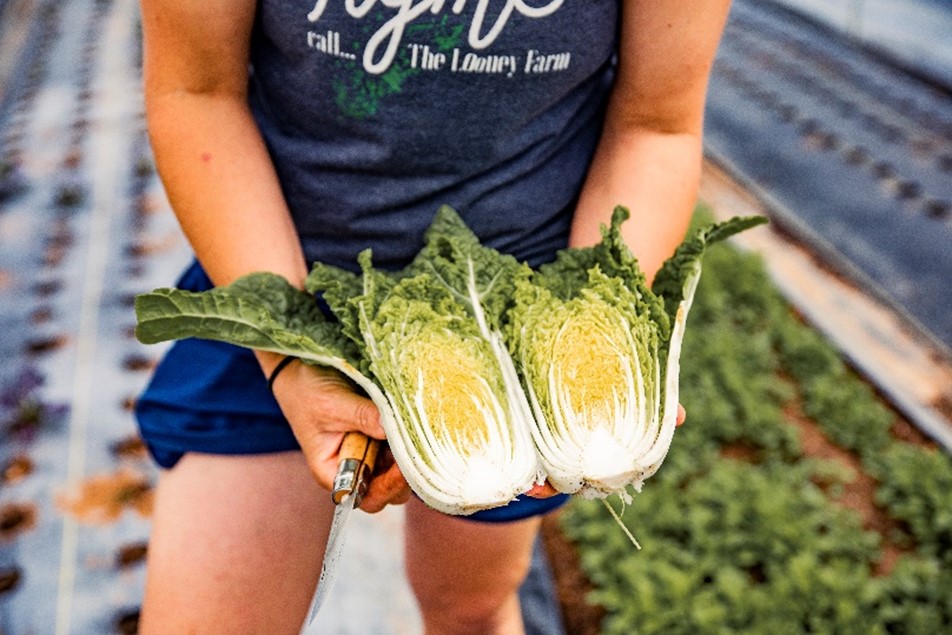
x=322, y=405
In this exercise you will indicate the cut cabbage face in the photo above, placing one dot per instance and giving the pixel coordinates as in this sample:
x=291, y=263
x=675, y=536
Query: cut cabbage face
x=598, y=353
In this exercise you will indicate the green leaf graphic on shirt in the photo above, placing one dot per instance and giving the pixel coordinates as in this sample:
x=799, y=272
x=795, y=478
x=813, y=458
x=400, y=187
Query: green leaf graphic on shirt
x=446, y=38
x=359, y=94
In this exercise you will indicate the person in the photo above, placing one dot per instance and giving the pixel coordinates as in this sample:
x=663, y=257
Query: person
x=287, y=132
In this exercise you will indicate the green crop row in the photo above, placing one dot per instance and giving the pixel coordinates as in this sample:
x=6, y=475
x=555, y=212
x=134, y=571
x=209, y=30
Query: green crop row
x=741, y=532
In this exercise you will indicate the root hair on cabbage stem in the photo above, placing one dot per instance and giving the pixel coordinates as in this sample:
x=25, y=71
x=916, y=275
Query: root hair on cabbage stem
x=617, y=516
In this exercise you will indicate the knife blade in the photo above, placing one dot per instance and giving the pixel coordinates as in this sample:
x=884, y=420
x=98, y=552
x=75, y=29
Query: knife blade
x=358, y=454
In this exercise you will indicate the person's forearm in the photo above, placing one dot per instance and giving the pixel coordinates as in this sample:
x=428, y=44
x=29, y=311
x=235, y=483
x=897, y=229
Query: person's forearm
x=655, y=175
x=223, y=189
x=222, y=186
x=649, y=157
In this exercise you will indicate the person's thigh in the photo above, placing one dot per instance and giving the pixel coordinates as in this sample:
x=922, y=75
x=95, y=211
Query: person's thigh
x=466, y=574
x=236, y=545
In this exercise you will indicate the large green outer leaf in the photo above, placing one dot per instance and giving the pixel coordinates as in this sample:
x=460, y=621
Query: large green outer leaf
x=481, y=278
x=261, y=311
x=676, y=280
x=676, y=283
x=339, y=288
x=568, y=273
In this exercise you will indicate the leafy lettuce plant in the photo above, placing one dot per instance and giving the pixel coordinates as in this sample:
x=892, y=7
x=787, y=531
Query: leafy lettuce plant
x=599, y=353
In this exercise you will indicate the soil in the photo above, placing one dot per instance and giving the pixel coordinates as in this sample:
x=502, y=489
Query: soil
x=103, y=498
x=943, y=404
x=127, y=622
x=16, y=469
x=130, y=447
x=859, y=493
x=16, y=518
x=131, y=554
x=9, y=579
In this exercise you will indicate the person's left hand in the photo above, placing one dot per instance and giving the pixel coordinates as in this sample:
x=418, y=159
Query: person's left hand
x=545, y=490
x=321, y=406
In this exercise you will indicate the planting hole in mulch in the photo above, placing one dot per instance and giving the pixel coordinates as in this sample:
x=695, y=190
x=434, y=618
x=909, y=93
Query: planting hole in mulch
x=53, y=256
x=135, y=270
x=30, y=418
x=9, y=579
x=42, y=345
x=102, y=499
x=16, y=469
x=131, y=554
x=46, y=288
x=127, y=622
x=143, y=248
x=146, y=206
x=131, y=447
x=128, y=404
x=73, y=158
x=42, y=315
x=15, y=518
x=126, y=300
x=144, y=167
x=138, y=363
x=61, y=238
x=70, y=196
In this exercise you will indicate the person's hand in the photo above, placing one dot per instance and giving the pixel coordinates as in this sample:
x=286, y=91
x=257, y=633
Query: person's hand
x=545, y=490
x=322, y=405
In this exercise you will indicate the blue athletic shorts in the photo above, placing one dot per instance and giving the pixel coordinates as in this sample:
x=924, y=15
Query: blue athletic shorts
x=211, y=397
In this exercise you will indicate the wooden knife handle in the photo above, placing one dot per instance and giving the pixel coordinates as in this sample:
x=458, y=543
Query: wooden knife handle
x=358, y=453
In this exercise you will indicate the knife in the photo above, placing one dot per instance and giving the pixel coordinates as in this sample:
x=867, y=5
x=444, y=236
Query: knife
x=358, y=453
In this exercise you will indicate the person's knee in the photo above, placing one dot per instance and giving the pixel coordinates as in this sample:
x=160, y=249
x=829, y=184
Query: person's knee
x=466, y=574
x=470, y=613
x=466, y=604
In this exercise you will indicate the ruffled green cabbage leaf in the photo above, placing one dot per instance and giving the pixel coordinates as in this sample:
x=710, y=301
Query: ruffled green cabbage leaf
x=432, y=340
x=599, y=355
x=260, y=311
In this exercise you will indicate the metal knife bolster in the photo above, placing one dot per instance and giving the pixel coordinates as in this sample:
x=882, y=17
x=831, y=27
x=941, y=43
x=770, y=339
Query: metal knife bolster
x=358, y=453
x=352, y=479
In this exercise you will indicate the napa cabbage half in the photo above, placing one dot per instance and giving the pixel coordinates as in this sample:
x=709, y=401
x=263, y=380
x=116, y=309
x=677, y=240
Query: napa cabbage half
x=599, y=351
x=431, y=335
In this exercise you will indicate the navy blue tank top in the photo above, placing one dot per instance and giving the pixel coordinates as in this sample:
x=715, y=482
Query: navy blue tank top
x=376, y=112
